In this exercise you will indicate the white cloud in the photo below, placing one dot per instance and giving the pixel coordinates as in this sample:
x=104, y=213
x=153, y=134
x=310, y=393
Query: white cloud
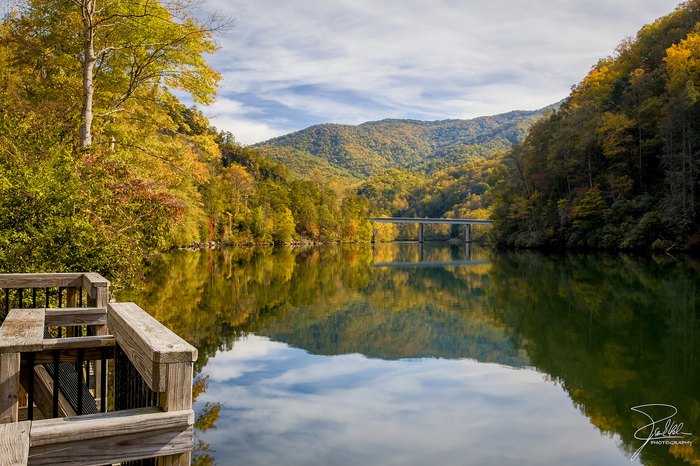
x=357, y=60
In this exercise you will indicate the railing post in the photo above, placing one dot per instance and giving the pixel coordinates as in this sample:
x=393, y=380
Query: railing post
x=9, y=387
x=177, y=397
x=97, y=288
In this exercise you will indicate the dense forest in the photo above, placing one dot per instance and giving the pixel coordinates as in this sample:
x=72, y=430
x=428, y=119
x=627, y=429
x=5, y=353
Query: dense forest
x=100, y=164
x=618, y=165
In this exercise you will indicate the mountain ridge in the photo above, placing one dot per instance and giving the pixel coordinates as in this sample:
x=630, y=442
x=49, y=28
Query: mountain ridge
x=356, y=152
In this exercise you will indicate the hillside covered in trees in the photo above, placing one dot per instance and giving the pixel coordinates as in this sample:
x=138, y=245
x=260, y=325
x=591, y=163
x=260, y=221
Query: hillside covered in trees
x=618, y=165
x=357, y=152
x=101, y=166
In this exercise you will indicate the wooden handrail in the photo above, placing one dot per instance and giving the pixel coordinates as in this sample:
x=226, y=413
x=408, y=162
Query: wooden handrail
x=41, y=280
x=150, y=345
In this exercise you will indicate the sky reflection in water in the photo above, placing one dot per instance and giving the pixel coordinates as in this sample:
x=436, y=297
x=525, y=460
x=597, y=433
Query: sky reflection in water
x=283, y=405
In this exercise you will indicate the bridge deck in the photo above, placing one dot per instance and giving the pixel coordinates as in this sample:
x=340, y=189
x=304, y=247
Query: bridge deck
x=431, y=221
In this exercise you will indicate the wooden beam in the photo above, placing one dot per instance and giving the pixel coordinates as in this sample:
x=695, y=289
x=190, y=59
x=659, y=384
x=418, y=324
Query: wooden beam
x=97, y=341
x=40, y=280
x=14, y=443
x=111, y=437
x=71, y=355
x=23, y=330
x=67, y=317
x=149, y=345
x=9, y=387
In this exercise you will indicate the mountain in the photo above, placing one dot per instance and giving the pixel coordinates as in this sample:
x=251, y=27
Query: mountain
x=355, y=152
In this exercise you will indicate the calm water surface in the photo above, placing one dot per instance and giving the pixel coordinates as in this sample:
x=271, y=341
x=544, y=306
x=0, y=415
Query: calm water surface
x=393, y=355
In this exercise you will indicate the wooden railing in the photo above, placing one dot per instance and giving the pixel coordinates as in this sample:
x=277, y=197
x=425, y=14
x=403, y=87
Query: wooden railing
x=55, y=362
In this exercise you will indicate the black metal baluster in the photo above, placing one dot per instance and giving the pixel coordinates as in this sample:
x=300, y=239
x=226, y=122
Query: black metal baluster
x=7, y=301
x=30, y=387
x=56, y=361
x=80, y=296
x=46, y=297
x=103, y=380
x=20, y=293
x=80, y=381
x=60, y=297
x=34, y=298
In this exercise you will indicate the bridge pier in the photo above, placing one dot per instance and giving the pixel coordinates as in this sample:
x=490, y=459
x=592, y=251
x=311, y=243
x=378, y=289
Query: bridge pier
x=421, y=233
x=467, y=233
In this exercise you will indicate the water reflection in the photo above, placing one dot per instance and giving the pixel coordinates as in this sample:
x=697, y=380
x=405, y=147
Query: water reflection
x=321, y=358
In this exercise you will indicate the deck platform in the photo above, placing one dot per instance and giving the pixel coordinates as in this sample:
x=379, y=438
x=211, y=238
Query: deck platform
x=150, y=416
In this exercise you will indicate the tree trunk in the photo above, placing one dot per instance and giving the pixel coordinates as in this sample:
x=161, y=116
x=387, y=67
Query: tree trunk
x=89, y=60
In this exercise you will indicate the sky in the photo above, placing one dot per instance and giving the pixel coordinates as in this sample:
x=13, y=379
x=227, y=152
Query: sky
x=290, y=64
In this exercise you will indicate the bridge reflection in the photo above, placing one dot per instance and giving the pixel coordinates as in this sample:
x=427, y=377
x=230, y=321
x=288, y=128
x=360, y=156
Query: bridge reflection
x=461, y=257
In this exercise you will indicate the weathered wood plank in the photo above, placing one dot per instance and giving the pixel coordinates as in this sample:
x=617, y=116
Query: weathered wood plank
x=116, y=449
x=160, y=344
x=97, y=341
x=104, y=425
x=23, y=330
x=9, y=387
x=40, y=280
x=14, y=443
x=111, y=437
x=66, y=317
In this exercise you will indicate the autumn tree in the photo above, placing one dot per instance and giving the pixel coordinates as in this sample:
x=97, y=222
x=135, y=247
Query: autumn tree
x=114, y=52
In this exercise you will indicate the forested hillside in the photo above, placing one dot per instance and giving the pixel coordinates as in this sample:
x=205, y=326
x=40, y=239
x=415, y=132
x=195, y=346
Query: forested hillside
x=356, y=152
x=618, y=165
x=101, y=166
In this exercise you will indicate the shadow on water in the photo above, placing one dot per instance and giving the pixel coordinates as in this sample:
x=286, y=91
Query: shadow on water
x=613, y=331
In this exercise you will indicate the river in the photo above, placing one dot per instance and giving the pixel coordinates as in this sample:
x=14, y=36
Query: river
x=397, y=355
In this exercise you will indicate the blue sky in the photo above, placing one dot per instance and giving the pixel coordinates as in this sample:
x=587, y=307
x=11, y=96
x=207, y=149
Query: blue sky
x=289, y=64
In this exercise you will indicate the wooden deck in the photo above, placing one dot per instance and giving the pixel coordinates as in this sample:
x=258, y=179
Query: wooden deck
x=35, y=342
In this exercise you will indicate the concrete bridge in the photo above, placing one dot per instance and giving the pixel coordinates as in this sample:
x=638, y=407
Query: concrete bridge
x=467, y=222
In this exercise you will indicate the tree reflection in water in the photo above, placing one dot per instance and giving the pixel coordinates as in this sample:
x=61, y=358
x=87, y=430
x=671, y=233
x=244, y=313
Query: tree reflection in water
x=614, y=331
